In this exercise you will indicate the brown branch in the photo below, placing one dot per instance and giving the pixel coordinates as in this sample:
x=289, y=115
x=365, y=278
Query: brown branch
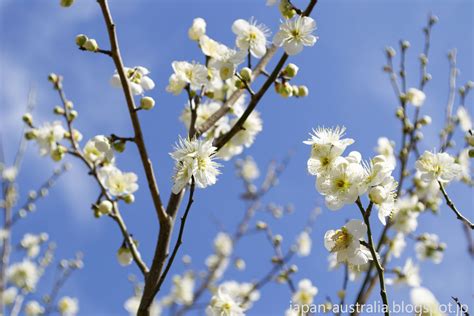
x=380, y=270
x=76, y=152
x=451, y=205
x=139, y=140
x=179, y=240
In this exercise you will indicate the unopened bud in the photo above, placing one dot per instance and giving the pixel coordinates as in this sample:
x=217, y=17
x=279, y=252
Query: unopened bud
x=91, y=45
x=302, y=91
x=120, y=146
x=290, y=71
x=58, y=110
x=246, y=74
x=286, y=9
x=28, y=119
x=31, y=134
x=81, y=39
x=129, y=198
x=66, y=3
x=390, y=51
x=405, y=44
x=425, y=120
x=105, y=207
x=147, y=103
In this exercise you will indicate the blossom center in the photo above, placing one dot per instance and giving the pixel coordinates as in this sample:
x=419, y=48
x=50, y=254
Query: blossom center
x=342, y=239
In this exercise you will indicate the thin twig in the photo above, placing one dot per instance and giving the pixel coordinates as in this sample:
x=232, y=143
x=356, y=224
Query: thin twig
x=451, y=205
x=380, y=270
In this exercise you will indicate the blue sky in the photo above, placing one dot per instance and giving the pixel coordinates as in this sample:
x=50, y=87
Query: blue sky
x=347, y=87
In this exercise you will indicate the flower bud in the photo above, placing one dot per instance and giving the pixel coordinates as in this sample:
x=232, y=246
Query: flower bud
x=28, y=119
x=124, y=256
x=405, y=44
x=198, y=29
x=53, y=78
x=302, y=91
x=277, y=239
x=286, y=9
x=31, y=134
x=81, y=39
x=290, y=71
x=378, y=194
x=423, y=59
x=470, y=139
x=66, y=3
x=246, y=74
x=72, y=115
x=129, y=198
x=58, y=153
x=91, y=45
x=58, y=110
x=147, y=103
x=285, y=90
x=105, y=207
x=433, y=19
x=119, y=146
x=390, y=51
x=400, y=113
x=261, y=225
x=240, y=264
x=425, y=120
x=239, y=84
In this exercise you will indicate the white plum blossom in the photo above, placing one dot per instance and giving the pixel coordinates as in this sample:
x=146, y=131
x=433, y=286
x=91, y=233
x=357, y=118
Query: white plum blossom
x=138, y=78
x=415, y=97
x=251, y=127
x=33, y=308
x=124, y=256
x=429, y=247
x=223, y=244
x=305, y=293
x=98, y=150
x=464, y=119
x=203, y=112
x=48, y=136
x=68, y=306
x=327, y=145
x=24, y=274
x=383, y=196
x=8, y=173
x=224, y=304
x=183, y=287
x=9, y=295
x=251, y=37
x=222, y=58
x=248, y=169
x=194, y=159
x=218, y=264
x=386, y=148
x=193, y=74
x=397, y=245
x=425, y=302
x=120, y=183
x=437, y=166
x=405, y=215
x=408, y=275
x=343, y=183
x=131, y=306
x=296, y=33
x=197, y=29
x=303, y=244
x=346, y=243
x=243, y=293
x=31, y=243
x=465, y=162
